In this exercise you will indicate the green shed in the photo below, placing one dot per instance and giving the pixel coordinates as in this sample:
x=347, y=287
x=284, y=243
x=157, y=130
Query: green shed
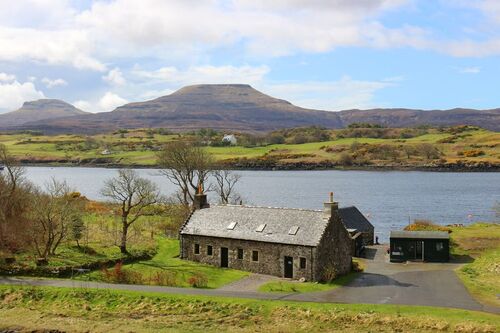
x=431, y=246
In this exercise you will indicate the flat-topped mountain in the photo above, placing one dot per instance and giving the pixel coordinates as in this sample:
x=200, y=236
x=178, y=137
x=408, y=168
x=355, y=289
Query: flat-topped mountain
x=239, y=107
x=42, y=109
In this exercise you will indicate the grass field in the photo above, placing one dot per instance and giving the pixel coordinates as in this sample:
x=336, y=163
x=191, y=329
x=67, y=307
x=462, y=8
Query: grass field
x=179, y=271
x=137, y=147
x=119, y=311
x=481, y=243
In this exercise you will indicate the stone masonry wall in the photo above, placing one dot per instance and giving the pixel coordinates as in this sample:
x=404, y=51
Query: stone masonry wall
x=335, y=249
x=271, y=255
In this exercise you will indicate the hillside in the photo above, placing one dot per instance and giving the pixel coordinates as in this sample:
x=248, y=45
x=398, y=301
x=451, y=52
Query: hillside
x=42, y=109
x=460, y=148
x=238, y=107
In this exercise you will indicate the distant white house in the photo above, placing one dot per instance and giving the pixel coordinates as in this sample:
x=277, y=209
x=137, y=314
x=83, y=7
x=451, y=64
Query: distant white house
x=106, y=152
x=230, y=138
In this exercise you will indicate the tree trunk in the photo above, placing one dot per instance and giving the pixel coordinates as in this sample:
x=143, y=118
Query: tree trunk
x=123, y=245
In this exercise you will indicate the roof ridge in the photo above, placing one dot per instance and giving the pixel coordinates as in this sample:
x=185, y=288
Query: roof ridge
x=270, y=207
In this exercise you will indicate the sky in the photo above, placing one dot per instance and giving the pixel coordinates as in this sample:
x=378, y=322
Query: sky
x=322, y=54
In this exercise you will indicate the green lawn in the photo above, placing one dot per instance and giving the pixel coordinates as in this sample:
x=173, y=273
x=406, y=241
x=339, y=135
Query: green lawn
x=480, y=243
x=167, y=261
x=306, y=287
x=84, y=310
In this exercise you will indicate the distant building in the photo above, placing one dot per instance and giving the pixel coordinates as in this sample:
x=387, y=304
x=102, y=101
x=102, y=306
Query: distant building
x=420, y=245
x=106, y=152
x=285, y=242
x=230, y=138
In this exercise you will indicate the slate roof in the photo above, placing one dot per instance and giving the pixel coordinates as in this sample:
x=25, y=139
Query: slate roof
x=280, y=222
x=420, y=234
x=354, y=219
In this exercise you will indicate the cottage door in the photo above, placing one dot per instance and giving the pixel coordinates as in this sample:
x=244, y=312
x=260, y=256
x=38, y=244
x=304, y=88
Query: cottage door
x=224, y=257
x=289, y=267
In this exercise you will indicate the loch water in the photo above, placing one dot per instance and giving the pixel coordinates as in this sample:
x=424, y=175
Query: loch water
x=390, y=199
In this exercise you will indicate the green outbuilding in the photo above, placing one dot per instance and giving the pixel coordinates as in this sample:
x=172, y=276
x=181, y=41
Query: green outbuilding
x=429, y=246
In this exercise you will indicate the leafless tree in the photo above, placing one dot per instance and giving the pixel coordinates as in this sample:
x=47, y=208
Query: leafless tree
x=186, y=166
x=14, y=202
x=224, y=186
x=53, y=212
x=134, y=194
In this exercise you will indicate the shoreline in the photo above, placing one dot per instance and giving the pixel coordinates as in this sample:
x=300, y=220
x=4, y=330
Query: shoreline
x=457, y=167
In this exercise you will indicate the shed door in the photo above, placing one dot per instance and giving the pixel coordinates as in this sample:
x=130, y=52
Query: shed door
x=224, y=257
x=419, y=250
x=289, y=267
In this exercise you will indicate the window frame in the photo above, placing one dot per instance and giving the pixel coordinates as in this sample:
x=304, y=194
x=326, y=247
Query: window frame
x=196, y=248
x=303, y=262
x=238, y=251
x=255, y=254
x=210, y=250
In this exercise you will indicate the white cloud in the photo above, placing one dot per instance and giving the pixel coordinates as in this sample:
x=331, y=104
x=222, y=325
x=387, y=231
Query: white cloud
x=343, y=94
x=49, y=83
x=115, y=77
x=110, y=101
x=4, y=77
x=14, y=94
x=470, y=70
x=83, y=105
x=206, y=74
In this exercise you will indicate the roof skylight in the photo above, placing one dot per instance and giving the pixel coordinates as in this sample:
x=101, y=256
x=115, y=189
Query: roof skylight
x=231, y=225
x=261, y=227
x=293, y=230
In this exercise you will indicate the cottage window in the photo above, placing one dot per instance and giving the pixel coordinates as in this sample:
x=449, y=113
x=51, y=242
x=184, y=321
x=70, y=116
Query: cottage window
x=209, y=250
x=255, y=255
x=196, y=248
x=302, y=263
x=439, y=246
x=240, y=254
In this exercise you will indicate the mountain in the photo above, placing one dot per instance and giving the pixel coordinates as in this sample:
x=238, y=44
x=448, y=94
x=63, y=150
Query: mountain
x=239, y=107
x=42, y=109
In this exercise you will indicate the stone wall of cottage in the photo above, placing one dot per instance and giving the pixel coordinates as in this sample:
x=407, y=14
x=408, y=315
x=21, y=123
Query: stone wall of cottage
x=271, y=255
x=335, y=249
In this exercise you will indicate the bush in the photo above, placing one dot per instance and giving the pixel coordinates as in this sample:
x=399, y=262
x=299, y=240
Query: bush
x=357, y=266
x=426, y=225
x=329, y=274
x=345, y=159
x=118, y=275
x=198, y=280
x=165, y=278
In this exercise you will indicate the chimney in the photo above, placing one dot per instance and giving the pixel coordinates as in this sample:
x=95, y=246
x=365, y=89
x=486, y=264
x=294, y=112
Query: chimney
x=330, y=207
x=200, y=199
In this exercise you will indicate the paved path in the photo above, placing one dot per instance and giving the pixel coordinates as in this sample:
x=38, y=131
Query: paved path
x=431, y=284
x=250, y=283
x=381, y=283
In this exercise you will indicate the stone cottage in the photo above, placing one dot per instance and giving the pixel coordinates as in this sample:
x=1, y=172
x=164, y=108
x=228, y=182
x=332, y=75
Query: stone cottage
x=291, y=243
x=358, y=224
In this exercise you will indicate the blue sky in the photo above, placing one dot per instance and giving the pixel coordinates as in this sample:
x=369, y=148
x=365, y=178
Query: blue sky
x=325, y=54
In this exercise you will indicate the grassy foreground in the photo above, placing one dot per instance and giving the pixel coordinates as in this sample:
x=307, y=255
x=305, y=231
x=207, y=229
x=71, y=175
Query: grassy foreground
x=480, y=244
x=67, y=310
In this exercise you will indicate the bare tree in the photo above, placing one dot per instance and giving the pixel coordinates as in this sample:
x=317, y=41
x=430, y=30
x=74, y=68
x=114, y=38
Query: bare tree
x=53, y=213
x=186, y=166
x=225, y=182
x=134, y=194
x=14, y=202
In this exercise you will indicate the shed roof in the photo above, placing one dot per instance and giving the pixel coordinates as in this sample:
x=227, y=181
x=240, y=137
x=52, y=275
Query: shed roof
x=420, y=234
x=282, y=225
x=354, y=219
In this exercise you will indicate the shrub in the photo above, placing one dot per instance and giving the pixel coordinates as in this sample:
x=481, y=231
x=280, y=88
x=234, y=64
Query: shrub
x=426, y=225
x=198, y=280
x=118, y=275
x=345, y=159
x=471, y=153
x=357, y=266
x=329, y=274
x=165, y=278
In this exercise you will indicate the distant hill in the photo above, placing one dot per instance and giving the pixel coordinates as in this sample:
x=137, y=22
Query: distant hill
x=239, y=107
x=42, y=109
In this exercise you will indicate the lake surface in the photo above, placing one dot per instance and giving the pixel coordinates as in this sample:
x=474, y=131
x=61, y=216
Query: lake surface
x=388, y=198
